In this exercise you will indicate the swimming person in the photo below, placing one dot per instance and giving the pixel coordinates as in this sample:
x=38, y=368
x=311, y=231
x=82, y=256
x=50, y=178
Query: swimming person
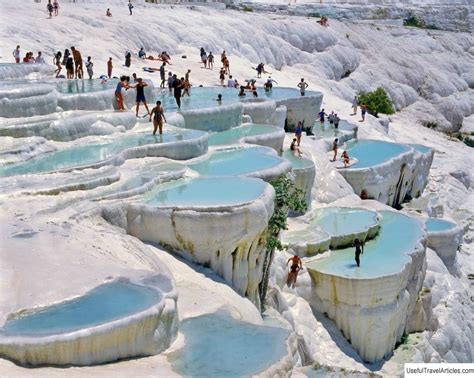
x=296, y=266
x=334, y=149
x=298, y=132
x=345, y=157
x=302, y=85
x=219, y=99
x=359, y=249
x=242, y=91
x=158, y=118
x=140, y=87
x=295, y=148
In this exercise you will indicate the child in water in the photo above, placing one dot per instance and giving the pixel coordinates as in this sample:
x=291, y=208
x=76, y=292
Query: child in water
x=345, y=158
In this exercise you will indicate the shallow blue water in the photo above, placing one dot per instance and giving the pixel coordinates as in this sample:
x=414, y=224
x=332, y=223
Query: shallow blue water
x=296, y=161
x=219, y=346
x=421, y=148
x=204, y=97
x=436, y=225
x=373, y=152
x=344, y=221
x=92, y=153
x=236, y=162
x=384, y=255
x=326, y=130
x=233, y=135
x=84, y=86
x=206, y=192
x=101, y=305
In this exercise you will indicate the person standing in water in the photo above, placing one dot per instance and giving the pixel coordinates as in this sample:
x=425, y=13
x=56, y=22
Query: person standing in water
x=322, y=114
x=16, y=54
x=359, y=250
x=177, y=87
x=295, y=148
x=140, y=87
x=170, y=81
x=159, y=117
x=302, y=85
x=298, y=132
x=162, y=74
x=77, y=62
x=89, y=67
x=57, y=63
x=334, y=149
x=336, y=121
x=123, y=83
x=110, y=67
x=296, y=266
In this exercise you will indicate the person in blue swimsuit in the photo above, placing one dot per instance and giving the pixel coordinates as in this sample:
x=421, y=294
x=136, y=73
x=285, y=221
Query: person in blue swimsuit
x=140, y=87
x=298, y=132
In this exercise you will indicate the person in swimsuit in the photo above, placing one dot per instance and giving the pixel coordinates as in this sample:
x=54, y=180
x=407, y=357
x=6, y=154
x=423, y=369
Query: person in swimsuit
x=118, y=92
x=162, y=75
x=355, y=104
x=345, y=158
x=56, y=7
x=363, y=110
x=295, y=148
x=210, y=61
x=242, y=91
x=302, y=85
x=140, y=87
x=90, y=67
x=296, y=266
x=336, y=121
x=158, y=118
x=298, y=132
x=16, y=54
x=170, y=81
x=359, y=249
x=222, y=76
x=186, y=87
x=177, y=87
x=334, y=149
x=57, y=63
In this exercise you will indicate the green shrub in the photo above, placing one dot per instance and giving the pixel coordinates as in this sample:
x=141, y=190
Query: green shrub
x=413, y=21
x=247, y=8
x=430, y=124
x=377, y=102
x=287, y=198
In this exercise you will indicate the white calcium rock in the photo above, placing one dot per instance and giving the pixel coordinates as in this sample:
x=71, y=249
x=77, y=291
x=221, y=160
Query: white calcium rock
x=218, y=118
x=27, y=100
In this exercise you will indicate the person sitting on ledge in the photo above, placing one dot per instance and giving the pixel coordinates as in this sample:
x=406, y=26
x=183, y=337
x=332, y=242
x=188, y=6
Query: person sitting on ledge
x=295, y=148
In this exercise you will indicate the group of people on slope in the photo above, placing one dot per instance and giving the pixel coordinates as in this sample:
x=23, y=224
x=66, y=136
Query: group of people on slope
x=52, y=8
x=28, y=58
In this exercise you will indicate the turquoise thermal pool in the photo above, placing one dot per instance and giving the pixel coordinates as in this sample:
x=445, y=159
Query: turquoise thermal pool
x=340, y=221
x=216, y=345
x=233, y=135
x=239, y=161
x=437, y=225
x=84, y=86
x=421, y=148
x=222, y=191
x=373, y=152
x=101, y=305
x=326, y=130
x=296, y=161
x=385, y=255
x=206, y=97
x=92, y=153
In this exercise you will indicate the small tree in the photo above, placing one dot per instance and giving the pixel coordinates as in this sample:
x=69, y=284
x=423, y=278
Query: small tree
x=377, y=102
x=287, y=198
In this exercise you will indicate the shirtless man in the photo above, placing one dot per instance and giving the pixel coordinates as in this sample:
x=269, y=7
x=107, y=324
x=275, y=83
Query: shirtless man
x=158, y=118
x=296, y=266
x=77, y=62
x=302, y=85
